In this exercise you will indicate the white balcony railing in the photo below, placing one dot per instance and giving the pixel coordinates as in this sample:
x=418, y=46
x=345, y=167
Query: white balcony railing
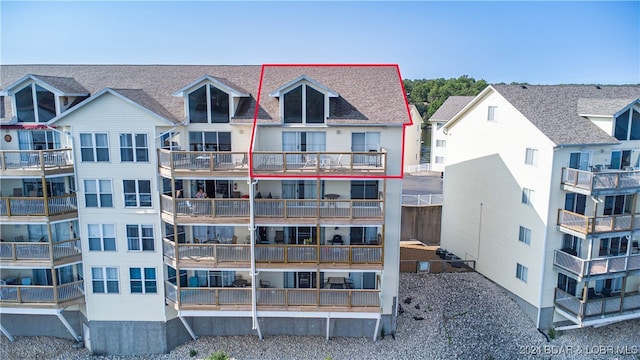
x=598, y=266
x=601, y=180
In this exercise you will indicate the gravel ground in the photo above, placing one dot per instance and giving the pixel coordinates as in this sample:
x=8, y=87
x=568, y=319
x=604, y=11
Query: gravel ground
x=472, y=320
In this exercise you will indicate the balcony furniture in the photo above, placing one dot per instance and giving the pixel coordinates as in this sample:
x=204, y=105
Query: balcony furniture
x=570, y=251
x=331, y=197
x=193, y=281
x=18, y=238
x=265, y=284
x=337, y=239
x=25, y=281
x=11, y=281
x=240, y=283
x=279, y=238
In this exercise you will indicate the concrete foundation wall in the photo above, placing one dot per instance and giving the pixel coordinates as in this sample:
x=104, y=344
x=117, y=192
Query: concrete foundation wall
x=421, y=223
x=177, y=334
x=128, y=337
x=42, y=325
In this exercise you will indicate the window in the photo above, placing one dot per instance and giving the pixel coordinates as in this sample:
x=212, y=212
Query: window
x=525, y=235
x=102, y=237
x=137, y=193
x=97, y=193
x=38, y=140
x=618, y=204
x=527, y=196
x=522, y=272
x=134, y=147
x=303, y=104
x=441, y=143
x=35, y=104
x=208, y=104
x=140, y=237
x=105, y=280
x=627, y=125
x=94, y=147
x=439, y=125
x=439, y=159
x=209, y=141
x=531, y=157
x=143, y=280
x=491, y=113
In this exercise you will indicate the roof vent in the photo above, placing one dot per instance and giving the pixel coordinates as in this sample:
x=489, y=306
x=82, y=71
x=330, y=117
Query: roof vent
x=598, y=87
x=522, y=87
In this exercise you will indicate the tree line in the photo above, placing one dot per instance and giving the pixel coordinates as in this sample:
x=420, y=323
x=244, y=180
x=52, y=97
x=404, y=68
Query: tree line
x=428, y=94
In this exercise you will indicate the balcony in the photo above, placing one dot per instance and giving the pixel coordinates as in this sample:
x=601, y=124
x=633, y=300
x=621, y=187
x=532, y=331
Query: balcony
x=36, y=162
x=607, y=182
x=40, y=254
x=272, y=299
x=211, y=210
x=580, y=311
x=202, y=163
x=279, y=210
x=578, y=224
x=42, y=295
x=38, y=209
x=599, y=266
x=207, y=255
x=323, y=254
x=319, y=163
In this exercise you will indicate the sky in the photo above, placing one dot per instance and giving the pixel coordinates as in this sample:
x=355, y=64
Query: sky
x=498, y=41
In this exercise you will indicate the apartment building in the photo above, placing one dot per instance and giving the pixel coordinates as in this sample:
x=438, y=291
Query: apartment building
x=144, y=206
x=445, y=112
x=542, y=189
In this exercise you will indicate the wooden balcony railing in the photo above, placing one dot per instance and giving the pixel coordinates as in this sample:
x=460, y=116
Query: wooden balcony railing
x=227, y=208
x=210, y=252
x=598, y=266
x=594, y=182
x=311, y=299
x=605, y=307
x=597, y=224
x=296, y=162
x=295, y=208
x=35, y=160
x=42, y=294
x=40, y=251
x=36, y=206
x=203, y=161
x=344, y=254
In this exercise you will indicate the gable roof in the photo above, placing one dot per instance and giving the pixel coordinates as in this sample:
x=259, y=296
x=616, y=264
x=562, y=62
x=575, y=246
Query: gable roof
x=602, y=107
x=553, y=109
x=136, y=97
x=451, y=106
x=278, y=92
x=223, y=83
x=65, y=86
x=369, y=94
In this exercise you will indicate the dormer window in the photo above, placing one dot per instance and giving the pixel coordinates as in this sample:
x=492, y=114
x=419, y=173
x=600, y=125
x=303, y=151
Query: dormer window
x=35, y=104
x=627, y=125
x=208, y=104
x=304, y=104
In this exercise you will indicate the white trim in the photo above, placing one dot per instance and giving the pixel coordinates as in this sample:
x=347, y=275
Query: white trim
x=31, y=78
x=211, y=80
x=301, y=79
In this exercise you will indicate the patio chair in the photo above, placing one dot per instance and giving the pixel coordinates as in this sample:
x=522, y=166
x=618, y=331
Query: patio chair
x=265, y=284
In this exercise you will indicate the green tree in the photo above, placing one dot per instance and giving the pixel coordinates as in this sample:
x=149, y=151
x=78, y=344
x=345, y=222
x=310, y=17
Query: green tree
x=429, y=94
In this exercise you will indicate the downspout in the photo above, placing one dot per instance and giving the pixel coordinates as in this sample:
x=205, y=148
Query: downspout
x=252, y=233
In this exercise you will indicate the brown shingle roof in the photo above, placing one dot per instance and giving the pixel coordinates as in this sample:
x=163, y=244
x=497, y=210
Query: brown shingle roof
x=368, y=94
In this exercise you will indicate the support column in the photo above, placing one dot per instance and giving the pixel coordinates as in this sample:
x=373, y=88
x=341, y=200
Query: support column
x=189, y=329
x=6, y=333
x=68, y=326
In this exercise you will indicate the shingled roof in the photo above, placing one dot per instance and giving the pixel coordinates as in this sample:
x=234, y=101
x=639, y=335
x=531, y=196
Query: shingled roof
x=370, y=95
x=553, y=109
x=450, y=107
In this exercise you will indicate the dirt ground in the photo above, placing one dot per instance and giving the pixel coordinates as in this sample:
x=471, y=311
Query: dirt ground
x=412, y=252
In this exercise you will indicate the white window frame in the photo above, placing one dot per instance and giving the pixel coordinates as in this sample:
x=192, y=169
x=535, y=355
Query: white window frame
x=522, y=272
x=439, y=159
x=138, y=194
x=106, y=276
x=98, y=192
x=144, y=282
x=524, y=235
x=139, y=240
x=102, y=230
x=208, y=87
x=527, y=196
x=34, y=99
x=441, y=143
x=134, y=147
x=94, y=147
x=492, y=113
x=531, y=157
x=304, y=105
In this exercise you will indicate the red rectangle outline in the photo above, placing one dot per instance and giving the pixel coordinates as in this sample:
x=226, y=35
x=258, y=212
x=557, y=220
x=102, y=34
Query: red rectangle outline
x=298, y=176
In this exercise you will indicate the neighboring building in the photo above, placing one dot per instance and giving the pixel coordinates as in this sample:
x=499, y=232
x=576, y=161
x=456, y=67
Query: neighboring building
x=542, y=189
x=445, y=112
x=413, y=140
x=141, y=207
